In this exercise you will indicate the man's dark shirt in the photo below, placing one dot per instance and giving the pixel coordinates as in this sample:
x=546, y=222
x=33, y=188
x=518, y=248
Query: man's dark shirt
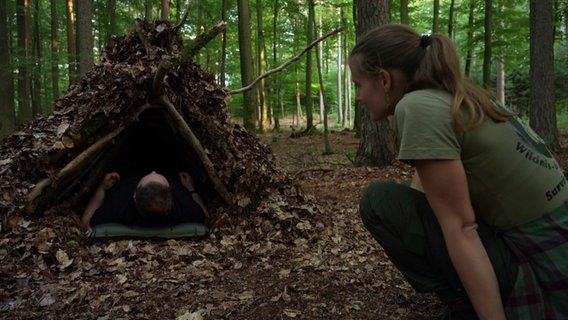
x=119, y=206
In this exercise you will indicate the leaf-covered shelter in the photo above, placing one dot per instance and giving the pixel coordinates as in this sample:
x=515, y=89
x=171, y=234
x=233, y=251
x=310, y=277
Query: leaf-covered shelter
x=142, y=81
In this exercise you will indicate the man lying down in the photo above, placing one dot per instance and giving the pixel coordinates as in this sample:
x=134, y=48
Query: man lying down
x=152, y=200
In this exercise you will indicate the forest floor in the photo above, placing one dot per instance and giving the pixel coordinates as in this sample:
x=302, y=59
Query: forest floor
x=49, y=270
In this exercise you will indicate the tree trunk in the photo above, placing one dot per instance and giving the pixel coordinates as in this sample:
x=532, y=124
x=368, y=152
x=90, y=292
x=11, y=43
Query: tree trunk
x=245, y=50
x=261, y=67
x=85, y=36
x=375, y=137
x=347, y=76
x=404, y=11
x=111, y=30
x=165, y=10
x=71, y=42
x=500, y=64
x=54, y=51
x=24, y=81
x=308, y=102
x=357, y=117
x=222, y=80
x=148, y=14
x=451, y=19
x=319, y=56
x=488, y=45
x=319, y=60
x=275, y=81
x=436, y=17
x=470, y=38
x=340, y=118
x=298, y=114
x=542, y=111
x=7, y=105
x=36, y=63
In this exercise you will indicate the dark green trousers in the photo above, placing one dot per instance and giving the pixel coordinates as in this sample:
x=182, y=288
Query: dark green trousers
x=403, y=223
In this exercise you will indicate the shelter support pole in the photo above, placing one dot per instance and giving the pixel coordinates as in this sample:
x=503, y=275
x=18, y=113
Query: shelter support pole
x=190, y=137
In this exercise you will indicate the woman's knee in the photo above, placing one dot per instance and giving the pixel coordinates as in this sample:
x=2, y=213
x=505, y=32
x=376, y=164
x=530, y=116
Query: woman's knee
x=382, y=198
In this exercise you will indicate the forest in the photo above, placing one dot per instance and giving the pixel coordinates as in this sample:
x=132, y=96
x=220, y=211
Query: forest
x=46, y=45
x=245, y=76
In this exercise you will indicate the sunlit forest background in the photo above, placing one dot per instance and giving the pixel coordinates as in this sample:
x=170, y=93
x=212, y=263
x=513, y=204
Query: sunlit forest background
x=46, y=45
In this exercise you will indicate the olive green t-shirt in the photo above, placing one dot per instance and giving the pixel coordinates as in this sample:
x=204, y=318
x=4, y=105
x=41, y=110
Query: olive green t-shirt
x=512, y=177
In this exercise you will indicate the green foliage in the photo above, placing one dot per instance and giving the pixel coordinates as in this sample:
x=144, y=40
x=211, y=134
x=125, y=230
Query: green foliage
x=510, y=33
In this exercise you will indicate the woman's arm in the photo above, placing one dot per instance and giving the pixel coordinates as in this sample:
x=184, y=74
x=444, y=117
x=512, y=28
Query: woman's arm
x=445, y=185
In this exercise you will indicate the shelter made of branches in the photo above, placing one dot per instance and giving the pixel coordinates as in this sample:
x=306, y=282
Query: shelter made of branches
x=142, y=79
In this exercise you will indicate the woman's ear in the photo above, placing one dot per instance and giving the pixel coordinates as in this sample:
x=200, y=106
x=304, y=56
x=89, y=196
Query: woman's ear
x=385, y=79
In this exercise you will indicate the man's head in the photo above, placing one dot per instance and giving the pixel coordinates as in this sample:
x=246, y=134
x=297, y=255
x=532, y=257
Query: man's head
x=153, y=196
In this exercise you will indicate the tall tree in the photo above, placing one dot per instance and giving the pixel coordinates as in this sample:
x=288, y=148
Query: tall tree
x=452, y=16
x=340, y=115
x=500, y=63
x=488, y=43
x=222, y=79
x=542, y=111
x=404, y=11
x=470, y=37
x=375, y=136
x=111, y=30
x=347, y=110
x=148, y=13
x=71, y=42
x=297, y=24
x=7, y=105
x=35, y=61
x=245, y=53
x=54, y=50
x=85, y=35
x=275, y=83
x=165, y=10
x=308, y=102
x=358, y=110
x=24, y=79
x=436, y=17
x=261, y=67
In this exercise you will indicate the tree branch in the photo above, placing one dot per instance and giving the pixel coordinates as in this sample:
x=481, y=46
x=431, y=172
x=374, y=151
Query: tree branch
x=185, y=14
x=201, y=41
x=163, y=68
x=285, y=64
x=194, y=142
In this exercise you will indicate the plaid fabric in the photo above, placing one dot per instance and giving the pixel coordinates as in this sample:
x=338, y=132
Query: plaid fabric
x=541, y=248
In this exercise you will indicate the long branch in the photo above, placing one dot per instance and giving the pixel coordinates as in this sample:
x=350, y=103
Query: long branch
x=285, y=64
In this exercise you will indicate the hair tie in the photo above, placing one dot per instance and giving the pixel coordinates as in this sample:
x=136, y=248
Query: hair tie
x=424, y=41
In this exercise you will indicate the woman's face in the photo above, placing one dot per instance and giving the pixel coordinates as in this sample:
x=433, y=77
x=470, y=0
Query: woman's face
x=370, y=92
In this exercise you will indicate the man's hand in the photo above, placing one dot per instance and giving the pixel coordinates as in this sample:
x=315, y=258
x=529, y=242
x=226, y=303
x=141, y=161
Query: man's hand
x=97, y=199
x=187, y=181
x=109, y=180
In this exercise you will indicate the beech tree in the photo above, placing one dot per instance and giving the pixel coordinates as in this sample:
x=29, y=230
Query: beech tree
x=375, y=136
x=245, y=54
x=542, y=110
x=85, y=35
x=24, y=79
x=7, y=106
x=71, y=42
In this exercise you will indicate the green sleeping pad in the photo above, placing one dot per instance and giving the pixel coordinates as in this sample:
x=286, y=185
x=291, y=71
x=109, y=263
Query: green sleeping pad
x=121, y=231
